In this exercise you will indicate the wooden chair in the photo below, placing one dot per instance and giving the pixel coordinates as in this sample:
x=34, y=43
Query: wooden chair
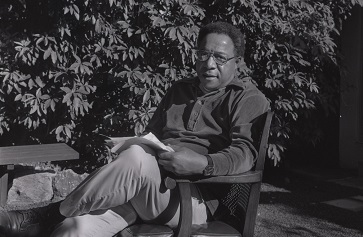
x=242, y=199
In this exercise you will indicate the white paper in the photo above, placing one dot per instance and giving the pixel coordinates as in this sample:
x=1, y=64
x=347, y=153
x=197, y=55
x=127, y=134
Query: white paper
x=121, y=143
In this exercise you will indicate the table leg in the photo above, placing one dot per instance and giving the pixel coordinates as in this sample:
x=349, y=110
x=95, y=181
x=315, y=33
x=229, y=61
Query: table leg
x=4, y=179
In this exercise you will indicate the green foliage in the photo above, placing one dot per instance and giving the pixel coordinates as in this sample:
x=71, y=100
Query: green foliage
x=72, y=70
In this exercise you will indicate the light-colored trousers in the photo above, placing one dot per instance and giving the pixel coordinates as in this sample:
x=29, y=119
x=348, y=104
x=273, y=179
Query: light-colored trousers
x=134, y=177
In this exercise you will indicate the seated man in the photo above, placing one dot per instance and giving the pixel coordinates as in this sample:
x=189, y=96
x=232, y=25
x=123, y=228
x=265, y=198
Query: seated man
x=206, y=120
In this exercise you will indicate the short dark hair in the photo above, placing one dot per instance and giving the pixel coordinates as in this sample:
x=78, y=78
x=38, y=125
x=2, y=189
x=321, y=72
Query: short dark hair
x=224, y=28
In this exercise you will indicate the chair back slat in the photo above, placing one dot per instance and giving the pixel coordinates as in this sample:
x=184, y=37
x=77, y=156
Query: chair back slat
x=263, y=143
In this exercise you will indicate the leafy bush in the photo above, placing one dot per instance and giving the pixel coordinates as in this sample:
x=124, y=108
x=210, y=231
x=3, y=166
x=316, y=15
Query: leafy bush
x=72, y=70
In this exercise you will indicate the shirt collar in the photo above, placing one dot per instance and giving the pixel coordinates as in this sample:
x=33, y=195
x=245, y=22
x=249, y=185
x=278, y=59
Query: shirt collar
x=241, y=83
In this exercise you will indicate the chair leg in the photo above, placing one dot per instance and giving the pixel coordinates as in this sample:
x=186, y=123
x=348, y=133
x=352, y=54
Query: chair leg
x=3, y=188
x=185, y=221
x=251, y=212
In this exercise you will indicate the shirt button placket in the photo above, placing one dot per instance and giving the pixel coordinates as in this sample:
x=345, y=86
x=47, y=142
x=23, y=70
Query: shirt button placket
x=194, y=115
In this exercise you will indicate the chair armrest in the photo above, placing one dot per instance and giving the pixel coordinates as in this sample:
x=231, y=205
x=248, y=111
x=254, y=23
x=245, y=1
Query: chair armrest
x=247, y=177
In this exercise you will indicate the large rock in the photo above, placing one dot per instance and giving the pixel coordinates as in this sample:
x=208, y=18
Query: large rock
x=64, y=182
x=31, y=188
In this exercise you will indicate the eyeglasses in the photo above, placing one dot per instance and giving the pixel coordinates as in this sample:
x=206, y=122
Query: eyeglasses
x=203, y=55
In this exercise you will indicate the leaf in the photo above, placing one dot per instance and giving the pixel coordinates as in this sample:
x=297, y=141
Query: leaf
x=146, y=96
x=52, y=105
x=31, y=83
x=66, y=89
x=38, y=92
x=18, y=97
x=180, y=37
x=66, y=10
x=59, y=129
x=172, y=33
x=39, y=40
x=54, y=57
x=68, y=31
x=76, y=9
x=98, y=26
x=66, y=98
x=68, y=131
x=76, y=103
x=33, y=109
x=47, y=53
x=130, y=32
x=39, y=82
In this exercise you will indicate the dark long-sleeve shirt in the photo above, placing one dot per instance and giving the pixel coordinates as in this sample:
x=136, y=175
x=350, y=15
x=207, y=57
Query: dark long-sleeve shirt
x=217, y=123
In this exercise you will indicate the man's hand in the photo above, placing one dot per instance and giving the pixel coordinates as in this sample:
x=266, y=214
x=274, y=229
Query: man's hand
x=183, y=161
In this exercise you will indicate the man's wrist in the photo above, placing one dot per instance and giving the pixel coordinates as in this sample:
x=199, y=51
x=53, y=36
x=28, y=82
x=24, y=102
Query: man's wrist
x=209, y=169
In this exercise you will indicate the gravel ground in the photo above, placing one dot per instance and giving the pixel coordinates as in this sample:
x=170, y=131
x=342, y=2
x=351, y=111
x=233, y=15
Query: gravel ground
x=297, y=210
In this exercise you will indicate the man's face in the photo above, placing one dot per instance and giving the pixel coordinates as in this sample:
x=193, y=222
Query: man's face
x=211, y=75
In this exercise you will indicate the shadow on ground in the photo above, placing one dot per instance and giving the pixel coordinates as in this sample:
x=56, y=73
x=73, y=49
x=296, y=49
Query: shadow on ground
x=296, y=208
